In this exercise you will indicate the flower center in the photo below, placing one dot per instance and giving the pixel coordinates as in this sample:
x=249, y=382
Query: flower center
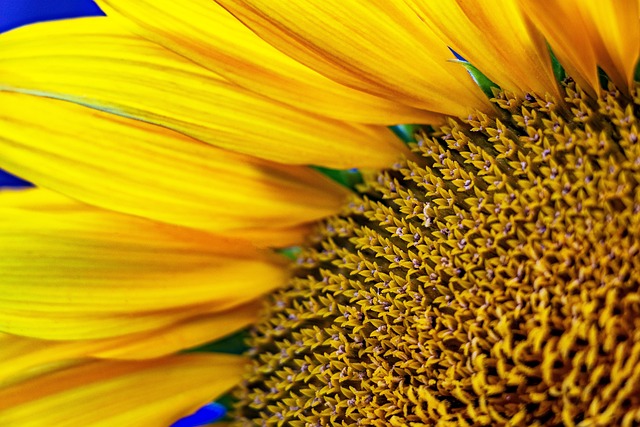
x=492, y=279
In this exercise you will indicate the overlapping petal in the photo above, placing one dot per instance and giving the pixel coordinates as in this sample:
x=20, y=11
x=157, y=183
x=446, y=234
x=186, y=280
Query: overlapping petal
x=133, y=167
x=119, y=393
x=591, y=33
x=70, y=271
x=209, y=35
x=379, y=47
x=22, y=357
x=94, y=62
x=496, y=37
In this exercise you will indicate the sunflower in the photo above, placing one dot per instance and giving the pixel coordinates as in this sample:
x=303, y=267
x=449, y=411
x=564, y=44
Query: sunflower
x=482, y=272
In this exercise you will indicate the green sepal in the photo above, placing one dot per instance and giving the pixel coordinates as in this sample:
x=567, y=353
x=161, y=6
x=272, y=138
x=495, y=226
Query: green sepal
x=558, y=70
x=291, y=252
x=228, y=401
x=603, y=78
x=348, y=178
x=636, y=75
x=406, y=133
x=231, y=344
x=481, y=80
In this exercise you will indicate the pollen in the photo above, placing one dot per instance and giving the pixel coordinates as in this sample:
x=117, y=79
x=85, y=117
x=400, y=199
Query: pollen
x=489, y=280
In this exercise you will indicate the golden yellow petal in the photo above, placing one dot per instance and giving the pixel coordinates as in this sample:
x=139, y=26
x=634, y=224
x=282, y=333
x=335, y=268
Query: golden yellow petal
x=190, y=333
x=276, y=237
x=76, y=272
x=591, y=33
x=54, y=325
x=207, y=34
x=22, y=357
x=377, y=46
x=120, y=393
x=496, y=37
x=136, y=168
x=116, y=71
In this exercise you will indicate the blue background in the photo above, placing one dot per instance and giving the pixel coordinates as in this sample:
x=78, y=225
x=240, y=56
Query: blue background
x=14, y=13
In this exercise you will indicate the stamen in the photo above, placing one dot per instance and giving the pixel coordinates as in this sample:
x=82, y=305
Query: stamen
x=490, y=280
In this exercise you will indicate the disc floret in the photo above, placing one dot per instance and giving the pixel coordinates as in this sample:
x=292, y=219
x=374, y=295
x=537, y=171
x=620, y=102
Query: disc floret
x=490, y=280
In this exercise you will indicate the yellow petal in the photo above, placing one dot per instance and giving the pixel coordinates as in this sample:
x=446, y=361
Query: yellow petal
x=591, y=33
x=272, y=236
x=497, y=38
x=121, y=73
x=380, y=47
x=136, y=168
x=22, y=357
x=276, y=237
x=80, y=326
x=190, y=333
x=77, y=272
x=116, y=393
x=207, y=34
